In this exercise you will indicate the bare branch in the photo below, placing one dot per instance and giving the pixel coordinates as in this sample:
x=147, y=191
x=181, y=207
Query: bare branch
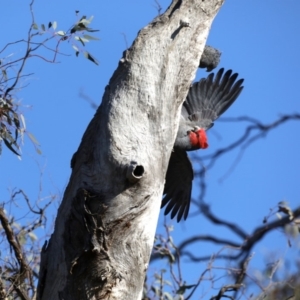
x=158, y=7
x=226, y=288
x=25, y=270
x=246, y=139
x=205, y=209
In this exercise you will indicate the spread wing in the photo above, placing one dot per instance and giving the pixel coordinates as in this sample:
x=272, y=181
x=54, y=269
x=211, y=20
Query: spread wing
x=211, y=97
x=206, y=101
x=178, y=186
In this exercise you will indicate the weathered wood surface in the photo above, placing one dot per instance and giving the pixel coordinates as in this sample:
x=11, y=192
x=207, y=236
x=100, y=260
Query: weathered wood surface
x=106, y=223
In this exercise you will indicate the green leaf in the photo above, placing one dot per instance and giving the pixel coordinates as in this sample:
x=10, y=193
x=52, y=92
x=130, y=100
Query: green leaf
x=38, y=150
x=157, y=276
x=75, y=48
x=7, y=135
x=16, y=134
x=90, y=57
x=49, y=25
x=78, y=38
x=84, y=40
x=183, y=288
x=168, y=296
x=74, y=29
x=21, y=238
x=8, y=145
x=23, y=120
x=33, y=139
x=16, y=120
x=92, y=30
x=4, y=74
x=78, y=27
x=86, y=21
x=8, y=118
x=90, y=38
x=292, y=230
x=43, y=27
x=54, y=25
x=61, y=33
x=171, y=228
x=155, y=290
x=35, y=26
x=81, y=39
x=32, y=236
x=283, y=203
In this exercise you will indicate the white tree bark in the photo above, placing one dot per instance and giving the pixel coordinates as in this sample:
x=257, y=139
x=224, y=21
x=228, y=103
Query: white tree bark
x=105, y=226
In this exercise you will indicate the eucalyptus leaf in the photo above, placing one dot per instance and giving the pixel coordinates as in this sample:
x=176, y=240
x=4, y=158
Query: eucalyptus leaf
x=90, y=38
x=90, y=57
x=33, y=139
x=78, y=38
x=38, y=150
x=9, y=146
x=23, y=120
x=75, y=48
x=61, y=33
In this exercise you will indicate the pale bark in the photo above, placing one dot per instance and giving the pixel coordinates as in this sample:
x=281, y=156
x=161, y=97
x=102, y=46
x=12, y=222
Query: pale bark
x=106, y=223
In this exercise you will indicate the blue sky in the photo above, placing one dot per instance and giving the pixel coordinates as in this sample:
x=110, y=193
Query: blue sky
x=259, y=39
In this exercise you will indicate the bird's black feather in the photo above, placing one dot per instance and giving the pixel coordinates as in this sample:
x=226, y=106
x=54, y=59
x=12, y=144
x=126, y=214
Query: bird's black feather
x=211, y=97
x=178, y=186
x=206, y=101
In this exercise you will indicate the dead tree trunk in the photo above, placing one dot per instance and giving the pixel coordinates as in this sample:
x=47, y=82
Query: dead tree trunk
x=106, y=223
